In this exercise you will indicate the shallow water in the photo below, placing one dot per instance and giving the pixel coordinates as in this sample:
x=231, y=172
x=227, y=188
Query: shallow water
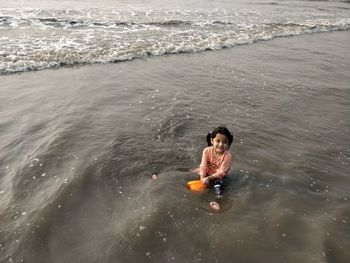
x=79, y=146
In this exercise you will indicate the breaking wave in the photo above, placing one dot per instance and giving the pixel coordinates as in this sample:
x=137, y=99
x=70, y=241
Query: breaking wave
x=42, y=39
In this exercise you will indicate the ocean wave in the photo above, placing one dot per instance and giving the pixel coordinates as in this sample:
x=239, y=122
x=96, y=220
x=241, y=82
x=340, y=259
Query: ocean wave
x=42, y=39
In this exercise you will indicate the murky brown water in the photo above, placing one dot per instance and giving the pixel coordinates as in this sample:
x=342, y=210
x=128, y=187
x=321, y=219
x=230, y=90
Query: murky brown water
x=79, y=147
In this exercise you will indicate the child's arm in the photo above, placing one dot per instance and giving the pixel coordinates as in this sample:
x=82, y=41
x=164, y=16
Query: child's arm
x=204, y=164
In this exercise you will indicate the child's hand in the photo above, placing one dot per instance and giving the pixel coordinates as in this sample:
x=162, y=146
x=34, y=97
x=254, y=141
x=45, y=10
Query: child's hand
x=205, y=180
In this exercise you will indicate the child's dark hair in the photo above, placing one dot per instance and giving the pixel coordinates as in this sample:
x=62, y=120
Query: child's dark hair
x=221, y=130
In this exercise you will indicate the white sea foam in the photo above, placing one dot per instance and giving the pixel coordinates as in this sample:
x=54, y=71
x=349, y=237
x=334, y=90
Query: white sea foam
x=32, y=39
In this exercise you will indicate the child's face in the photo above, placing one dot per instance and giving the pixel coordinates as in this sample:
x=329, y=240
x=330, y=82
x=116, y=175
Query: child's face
x=220, y=143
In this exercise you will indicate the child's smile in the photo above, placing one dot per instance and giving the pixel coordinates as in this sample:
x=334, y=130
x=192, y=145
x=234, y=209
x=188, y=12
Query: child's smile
x=220, y=143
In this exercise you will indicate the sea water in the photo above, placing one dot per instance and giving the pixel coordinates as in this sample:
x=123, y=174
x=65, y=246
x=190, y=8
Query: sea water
x=99, y=138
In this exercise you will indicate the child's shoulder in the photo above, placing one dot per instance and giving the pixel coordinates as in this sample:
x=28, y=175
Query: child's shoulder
x=228, y=154
x=208, y=149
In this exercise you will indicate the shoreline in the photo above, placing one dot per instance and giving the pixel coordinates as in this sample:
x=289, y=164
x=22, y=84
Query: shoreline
x=151, y=57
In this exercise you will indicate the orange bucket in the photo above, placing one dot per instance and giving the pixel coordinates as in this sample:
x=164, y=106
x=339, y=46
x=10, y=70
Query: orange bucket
x=196, y=185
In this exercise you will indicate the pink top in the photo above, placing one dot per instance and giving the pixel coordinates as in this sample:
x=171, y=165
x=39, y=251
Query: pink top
x=210, y=164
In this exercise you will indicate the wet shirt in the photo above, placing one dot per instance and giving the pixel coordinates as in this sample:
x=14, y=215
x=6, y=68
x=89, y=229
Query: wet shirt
x=210, y=164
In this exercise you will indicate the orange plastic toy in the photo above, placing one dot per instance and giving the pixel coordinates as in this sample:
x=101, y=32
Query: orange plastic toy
x=196, y=185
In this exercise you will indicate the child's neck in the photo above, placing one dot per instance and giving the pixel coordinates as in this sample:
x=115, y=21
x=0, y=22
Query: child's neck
x=218, y=154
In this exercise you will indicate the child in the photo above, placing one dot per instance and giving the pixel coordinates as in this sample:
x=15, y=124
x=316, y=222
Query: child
x=216, y=160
